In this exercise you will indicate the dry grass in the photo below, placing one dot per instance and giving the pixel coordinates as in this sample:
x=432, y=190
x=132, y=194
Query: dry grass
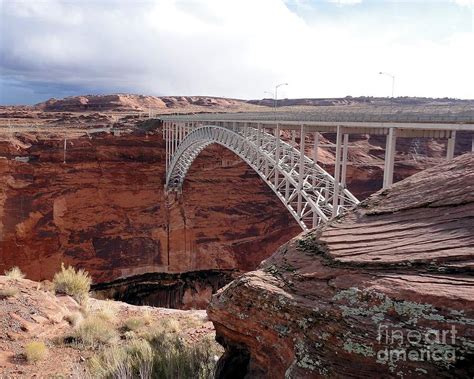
x=14, y=273
x=144, y=345
x=73, y=283
x=74, y=319
x=94, y=331
x=35, y=351
x=132, y=360
x=147, y=317
x=8, y=292
x=162, y=356
x=107, y=311
x=134, y=324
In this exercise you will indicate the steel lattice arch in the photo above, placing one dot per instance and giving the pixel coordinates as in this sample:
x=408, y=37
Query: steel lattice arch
x=309, y=193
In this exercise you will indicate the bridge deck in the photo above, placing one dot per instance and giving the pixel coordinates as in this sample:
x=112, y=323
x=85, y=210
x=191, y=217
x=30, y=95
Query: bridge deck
x=414, y=125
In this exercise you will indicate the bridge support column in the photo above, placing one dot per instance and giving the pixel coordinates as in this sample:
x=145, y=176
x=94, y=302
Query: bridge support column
x=389, y=158
x=173, y=138
x=301, y=172
x=165, y=137
x=345, y=147
x=315, y=147
x=277, y=153
x=337, y=173
x=259, y=141
x=450, y=145
x=178, y=134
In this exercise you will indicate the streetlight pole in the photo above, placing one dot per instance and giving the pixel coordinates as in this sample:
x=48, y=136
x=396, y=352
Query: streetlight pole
x=276, y=93
x=393, y=81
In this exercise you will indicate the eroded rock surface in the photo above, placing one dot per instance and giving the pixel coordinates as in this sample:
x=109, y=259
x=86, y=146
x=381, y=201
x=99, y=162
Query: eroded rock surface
x=394, y=276
x=103, y=208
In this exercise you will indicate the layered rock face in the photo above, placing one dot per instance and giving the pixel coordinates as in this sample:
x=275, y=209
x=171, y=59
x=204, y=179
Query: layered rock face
x=105, y=209
x=129, y=102
x=383, y=291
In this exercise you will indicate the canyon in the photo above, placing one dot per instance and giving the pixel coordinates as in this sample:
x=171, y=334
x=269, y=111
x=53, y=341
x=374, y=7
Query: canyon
x=82, y=183
x=73, y=191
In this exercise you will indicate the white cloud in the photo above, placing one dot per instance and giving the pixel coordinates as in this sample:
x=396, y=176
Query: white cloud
x=345, y=2
x=237, y=48
x=464, y=3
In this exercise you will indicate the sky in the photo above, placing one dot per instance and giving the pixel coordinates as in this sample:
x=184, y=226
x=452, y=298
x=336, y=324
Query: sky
x=235, y=48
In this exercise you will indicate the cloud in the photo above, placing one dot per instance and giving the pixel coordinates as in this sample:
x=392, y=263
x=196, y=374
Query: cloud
x=464, y=3
x=345, y=2
x=236, y=48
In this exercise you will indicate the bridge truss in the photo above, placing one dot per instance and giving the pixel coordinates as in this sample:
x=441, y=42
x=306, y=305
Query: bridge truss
x=310, y=194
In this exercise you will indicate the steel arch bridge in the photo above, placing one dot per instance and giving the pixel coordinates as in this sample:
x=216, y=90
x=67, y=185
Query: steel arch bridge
x=309, y=193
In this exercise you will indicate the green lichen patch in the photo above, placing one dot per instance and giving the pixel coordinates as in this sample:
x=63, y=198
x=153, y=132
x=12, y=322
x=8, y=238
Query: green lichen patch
x=358, y=348
x=307, y=359
x=310, y=245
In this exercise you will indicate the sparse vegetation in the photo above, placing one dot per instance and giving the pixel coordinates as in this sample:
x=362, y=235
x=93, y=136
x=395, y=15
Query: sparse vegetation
x=132, y=360
x=74, y=318
x=8, y=292
x=164, y=356
x=35, y=351
x=94, y=331
x=107, y=311
x=73, y=283
x=141, y=346
x=147, y=317
x=133, y=324
x=14, y=273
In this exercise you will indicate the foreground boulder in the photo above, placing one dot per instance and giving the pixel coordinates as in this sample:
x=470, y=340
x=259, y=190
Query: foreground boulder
x=383, y=291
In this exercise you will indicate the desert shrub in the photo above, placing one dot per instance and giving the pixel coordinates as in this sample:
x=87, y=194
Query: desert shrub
x=14, y=273
x=94, y=331
x=147, y=317
x=8, y=292
x=133, y=360
x=73, y=283
x=165, y=356
x=111, y=363
x=74, y=319
x=170, y=325
x=133, y=324
x=106, y=310
x=35, y=351
x=174, y=358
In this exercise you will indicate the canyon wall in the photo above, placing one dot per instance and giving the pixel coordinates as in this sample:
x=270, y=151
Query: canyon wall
x=105, y=208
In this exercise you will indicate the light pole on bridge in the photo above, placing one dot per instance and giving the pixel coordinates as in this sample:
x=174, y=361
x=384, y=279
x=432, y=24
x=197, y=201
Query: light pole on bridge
x=276, y=93
x=393, y=80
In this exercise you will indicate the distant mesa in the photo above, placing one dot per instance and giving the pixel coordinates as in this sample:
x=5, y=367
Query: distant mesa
x=139, y=103
x=142, y=103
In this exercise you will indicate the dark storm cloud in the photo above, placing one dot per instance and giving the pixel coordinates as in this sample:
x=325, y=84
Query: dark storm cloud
x=235, y=48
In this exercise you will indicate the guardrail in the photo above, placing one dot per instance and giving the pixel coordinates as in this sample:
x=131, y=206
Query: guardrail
x=413, y=114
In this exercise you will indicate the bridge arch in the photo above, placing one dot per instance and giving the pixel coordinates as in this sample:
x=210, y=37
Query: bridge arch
x=306, y=189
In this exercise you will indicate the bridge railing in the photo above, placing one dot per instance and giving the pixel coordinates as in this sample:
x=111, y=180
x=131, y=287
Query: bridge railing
x=462, y=114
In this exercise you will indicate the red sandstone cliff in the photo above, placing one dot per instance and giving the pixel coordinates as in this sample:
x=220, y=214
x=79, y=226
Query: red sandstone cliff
x=105, y=209
x=337, y=301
